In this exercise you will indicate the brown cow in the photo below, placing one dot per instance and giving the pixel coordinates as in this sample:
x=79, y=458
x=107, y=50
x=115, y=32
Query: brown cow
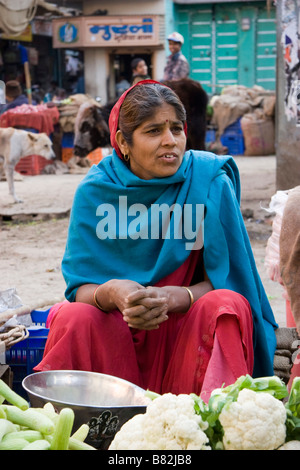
x=91, y=128
x=195, y=100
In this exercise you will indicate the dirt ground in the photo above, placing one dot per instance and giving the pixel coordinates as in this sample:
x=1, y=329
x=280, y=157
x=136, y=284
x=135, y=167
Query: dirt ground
x=33, y=233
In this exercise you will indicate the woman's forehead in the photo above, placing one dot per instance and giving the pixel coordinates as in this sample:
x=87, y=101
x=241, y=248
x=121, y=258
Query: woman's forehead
x=161, y=114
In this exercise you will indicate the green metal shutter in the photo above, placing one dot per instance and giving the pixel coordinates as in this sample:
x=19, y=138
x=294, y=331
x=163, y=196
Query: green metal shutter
x=226, y=45
x=229, y=44
x=266, y=48
x=199, y=44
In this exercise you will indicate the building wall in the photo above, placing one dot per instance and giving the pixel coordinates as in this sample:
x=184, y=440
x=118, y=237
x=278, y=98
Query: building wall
x=170, y=14
x=226, y=43
x=121, y=7
x=100, y=82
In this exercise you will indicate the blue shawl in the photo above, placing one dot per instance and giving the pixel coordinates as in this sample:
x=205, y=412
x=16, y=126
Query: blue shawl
x=102, y=246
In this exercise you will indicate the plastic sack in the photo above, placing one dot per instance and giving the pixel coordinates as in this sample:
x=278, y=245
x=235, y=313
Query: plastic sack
x=259, y=134
x=9, y=301
x=272, y=259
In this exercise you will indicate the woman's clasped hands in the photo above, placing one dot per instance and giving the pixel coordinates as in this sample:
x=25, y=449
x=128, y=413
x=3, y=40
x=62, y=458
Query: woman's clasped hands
x=142, y=307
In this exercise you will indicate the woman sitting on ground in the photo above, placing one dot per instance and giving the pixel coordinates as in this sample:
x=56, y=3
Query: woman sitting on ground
x=162, y=287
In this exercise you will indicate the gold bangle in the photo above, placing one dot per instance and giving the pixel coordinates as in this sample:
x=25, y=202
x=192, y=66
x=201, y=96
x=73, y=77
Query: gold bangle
x=95, y=299
x=190, y=294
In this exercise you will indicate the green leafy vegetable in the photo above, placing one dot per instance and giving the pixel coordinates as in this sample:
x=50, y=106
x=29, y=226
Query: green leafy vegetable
x=224, y=396
x=293, y=411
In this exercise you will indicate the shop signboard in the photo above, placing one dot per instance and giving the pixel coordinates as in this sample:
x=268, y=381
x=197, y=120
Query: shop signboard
x=106, y=31
x=67, y=33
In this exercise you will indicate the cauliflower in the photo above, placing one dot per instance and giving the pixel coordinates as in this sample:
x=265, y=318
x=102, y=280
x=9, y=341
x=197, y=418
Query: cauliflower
x=291, y=445
x=170, y=423
x=256, y=421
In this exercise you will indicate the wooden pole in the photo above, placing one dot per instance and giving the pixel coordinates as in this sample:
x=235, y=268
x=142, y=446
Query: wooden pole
x=25, y=62
x=28, y=82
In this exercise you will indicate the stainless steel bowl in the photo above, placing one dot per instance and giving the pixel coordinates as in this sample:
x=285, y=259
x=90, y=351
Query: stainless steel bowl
x=102, y=401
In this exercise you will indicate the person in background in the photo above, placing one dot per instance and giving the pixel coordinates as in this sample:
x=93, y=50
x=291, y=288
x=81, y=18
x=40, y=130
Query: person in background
x=177, y=66
x=289, y=253
x=38, y=94
x=121, y=85
x=80, y=86
x=54, y=93
x=14, y=96
x=139, y=70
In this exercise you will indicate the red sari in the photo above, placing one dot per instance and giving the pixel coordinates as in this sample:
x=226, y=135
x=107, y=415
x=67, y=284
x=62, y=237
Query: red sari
x=198, y=351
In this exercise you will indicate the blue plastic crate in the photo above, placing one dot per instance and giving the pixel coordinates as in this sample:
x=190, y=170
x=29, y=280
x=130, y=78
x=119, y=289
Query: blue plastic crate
x=234, y=128
x=31, y=129
x=234, y=143
x=67, y=140
x=25, y=355
x=210, y=136
x=233, y=138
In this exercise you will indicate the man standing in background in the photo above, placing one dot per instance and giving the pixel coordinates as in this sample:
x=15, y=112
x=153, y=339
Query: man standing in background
x=177, y=65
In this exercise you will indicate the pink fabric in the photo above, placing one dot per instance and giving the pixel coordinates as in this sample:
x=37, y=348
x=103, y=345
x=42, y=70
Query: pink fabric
x=53, y=310
x=39, y=117
x=194, y=352
x=215, y=343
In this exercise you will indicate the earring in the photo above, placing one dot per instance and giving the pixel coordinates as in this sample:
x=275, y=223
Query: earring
x=126, y=158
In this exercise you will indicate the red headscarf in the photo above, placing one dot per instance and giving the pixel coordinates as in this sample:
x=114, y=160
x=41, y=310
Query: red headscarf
x=114, y=115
